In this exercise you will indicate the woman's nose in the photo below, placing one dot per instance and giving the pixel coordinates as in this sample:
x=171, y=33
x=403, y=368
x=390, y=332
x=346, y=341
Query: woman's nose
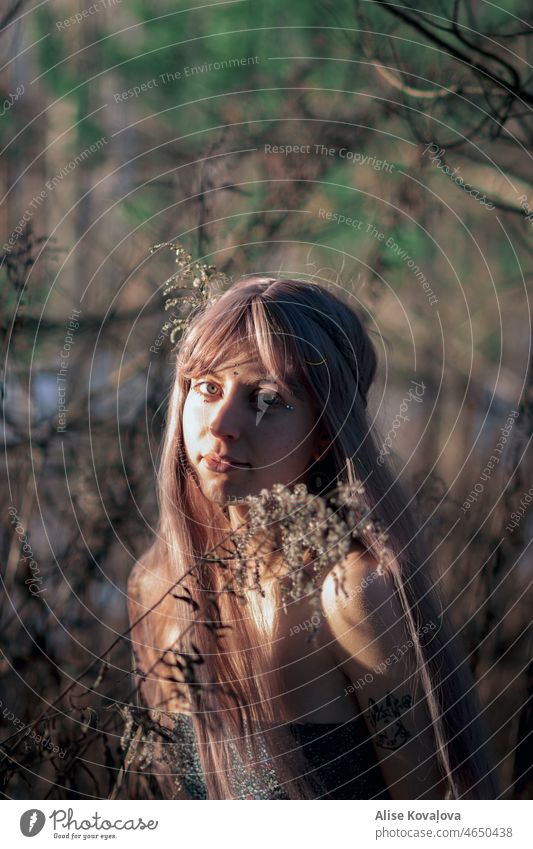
x=225, y=419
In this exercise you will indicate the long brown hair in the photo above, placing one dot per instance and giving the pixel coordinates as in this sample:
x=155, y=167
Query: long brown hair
x=308, y=336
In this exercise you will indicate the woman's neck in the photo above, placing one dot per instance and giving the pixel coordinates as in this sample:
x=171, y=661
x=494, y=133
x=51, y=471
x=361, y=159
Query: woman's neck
x=237, y=514
x=259, y=550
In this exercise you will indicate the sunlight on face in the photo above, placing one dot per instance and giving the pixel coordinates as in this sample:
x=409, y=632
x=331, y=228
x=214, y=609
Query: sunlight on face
x=240, y=413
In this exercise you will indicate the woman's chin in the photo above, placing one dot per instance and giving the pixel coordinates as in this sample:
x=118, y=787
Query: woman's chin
x=224, y=493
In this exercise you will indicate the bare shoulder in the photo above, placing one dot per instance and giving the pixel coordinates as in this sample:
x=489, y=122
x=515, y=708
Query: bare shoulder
x=136, y=592
x=141, y=584
x=134, y=587
x=362, y=610
x=154, y=630
x=356, y=588
x=136, y=584
x=148, y=608
x=138, y=605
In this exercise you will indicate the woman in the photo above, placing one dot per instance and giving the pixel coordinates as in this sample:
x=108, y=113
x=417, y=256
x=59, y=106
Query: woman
x=271, y=389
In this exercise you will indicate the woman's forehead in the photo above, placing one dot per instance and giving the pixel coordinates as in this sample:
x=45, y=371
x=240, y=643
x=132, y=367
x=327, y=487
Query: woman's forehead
x=240, y=365
x=238, y=354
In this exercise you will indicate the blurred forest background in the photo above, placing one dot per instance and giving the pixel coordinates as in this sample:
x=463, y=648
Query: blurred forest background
x=127, y=123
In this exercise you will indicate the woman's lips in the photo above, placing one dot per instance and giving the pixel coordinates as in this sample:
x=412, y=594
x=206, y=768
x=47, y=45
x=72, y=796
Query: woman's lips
x=217, y=464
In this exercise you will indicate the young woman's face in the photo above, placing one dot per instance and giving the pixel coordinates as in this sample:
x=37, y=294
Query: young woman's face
x=241, y=414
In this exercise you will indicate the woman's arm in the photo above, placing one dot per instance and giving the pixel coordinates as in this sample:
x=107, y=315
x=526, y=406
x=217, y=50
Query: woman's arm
x=375, y=652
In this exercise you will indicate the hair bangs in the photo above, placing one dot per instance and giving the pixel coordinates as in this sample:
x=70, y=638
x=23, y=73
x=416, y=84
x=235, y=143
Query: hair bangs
x=249, y=330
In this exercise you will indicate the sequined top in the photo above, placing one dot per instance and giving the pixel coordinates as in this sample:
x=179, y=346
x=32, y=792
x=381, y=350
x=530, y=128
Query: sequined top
x=341, y=756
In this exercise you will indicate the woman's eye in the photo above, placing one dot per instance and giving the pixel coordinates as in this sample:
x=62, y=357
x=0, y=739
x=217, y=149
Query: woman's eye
x=264, y=400
x=268, y=399
x=204, y=383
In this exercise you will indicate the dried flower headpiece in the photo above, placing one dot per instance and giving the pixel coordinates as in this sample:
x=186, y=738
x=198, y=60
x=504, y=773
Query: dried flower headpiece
x=192, y=287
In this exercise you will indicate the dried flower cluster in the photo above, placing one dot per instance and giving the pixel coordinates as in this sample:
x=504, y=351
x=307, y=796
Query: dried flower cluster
x=308, y=534
x=191, y=289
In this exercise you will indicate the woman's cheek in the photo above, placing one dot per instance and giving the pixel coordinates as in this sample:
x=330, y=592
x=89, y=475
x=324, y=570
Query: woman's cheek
x=288, y=443
x=192, y=423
